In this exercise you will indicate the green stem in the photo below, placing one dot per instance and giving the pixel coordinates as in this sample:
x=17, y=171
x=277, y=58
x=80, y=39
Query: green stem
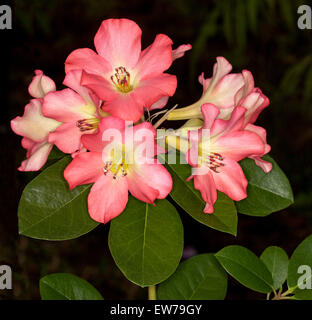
x=152, y=293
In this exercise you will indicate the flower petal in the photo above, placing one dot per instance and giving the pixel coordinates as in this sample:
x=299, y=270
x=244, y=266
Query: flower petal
x=231, y=180
x=155, y=59
x=180, y=51
x=118, y=41
x=107, y=199
x=86, y=59
x=86, y=167
x=67, y=106
x=36, y=157
x=40, y=85
x=206, y=185
x=33, y=124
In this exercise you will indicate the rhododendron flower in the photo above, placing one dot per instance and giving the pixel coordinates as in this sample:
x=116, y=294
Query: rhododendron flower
x=122, y=75
x=214, y=152
x=33, y=126
x=226, y=91
x=77, y=108
x=115, y=171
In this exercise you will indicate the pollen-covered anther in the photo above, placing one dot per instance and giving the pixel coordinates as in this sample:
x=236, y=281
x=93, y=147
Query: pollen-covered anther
x=87, y=124
x=121, y=79
x=116, y=170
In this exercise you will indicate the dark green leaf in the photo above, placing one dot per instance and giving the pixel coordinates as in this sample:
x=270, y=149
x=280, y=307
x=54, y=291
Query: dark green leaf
x=187, y=197
x=146, y=241
x=198, y=278
x=267, y=192
x=300, y=270
x=276, y=260
x=49, y=210
x=65, y=286
x=246, y=268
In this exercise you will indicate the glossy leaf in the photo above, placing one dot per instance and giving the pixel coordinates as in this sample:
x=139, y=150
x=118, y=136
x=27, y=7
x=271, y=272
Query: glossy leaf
x=49, y=210
x=300, y=270
x=267, y=192
x=276, y=260
x=146, y=241
x=188, y=198
x=198, y=278
x=65, y=286
x=246, y=268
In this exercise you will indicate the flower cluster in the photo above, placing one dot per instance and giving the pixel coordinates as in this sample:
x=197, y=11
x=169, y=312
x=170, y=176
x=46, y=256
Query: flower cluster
x=108, y=92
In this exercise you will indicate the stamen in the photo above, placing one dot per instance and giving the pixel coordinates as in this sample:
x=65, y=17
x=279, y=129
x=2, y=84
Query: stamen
x=215, y=161
x=121, y=79
x=87, y=124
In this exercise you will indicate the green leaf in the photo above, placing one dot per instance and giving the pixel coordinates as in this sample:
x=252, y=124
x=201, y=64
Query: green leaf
x=65, y=286
x=299, y=270
x=188, y=198
x=198, y=278
x=49, y=210
x=267, y=192
x=276, y=260
x=146, y=241
x=246, y=268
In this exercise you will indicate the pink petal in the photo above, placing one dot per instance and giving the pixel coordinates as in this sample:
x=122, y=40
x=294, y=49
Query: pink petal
x=33, y=124
x=210, y=113
x=64, y=106
x=119, y=42
x=40, y=85
x=153, y=89
x=238, y=145
x=67, y=137
x=266, y=166
x=102, y=87
x=247, y=88
x=231, y=180
x=206, y=185
x=107, y=199
x=204, y=82
x=73, y=80
x=220, y=69
x=156, y=58
x=180, y=51
x=86, y=167
x=125, y=106
x=37, y=156
x=86, y=59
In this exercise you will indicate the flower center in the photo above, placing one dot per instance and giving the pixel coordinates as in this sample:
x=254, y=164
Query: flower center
x=214, y=161
x=118, y=165
x=88, y=124
x=121, y=79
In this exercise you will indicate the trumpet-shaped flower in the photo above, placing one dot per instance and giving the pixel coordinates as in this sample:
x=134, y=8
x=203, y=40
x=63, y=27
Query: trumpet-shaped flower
x=124, y=77
x=117, y=166
x=214, y=152
x=34, y=126
x=226, y=91
x=78, y=110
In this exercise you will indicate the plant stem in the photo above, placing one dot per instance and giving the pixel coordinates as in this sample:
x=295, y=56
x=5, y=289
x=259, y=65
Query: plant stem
x=152, y=293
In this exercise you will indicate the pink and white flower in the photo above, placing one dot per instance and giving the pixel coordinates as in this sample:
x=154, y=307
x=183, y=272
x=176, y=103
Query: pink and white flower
x=214, y=152
x=34, y=126
x=115, y=171
x=122, y=75
x=78, y=110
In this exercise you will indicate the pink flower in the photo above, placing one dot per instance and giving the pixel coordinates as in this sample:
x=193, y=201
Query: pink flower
x=77, y=108
x=226, y=91
x=215, y=151
x=122, y=75
x=33, y=126
x=115, y=171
